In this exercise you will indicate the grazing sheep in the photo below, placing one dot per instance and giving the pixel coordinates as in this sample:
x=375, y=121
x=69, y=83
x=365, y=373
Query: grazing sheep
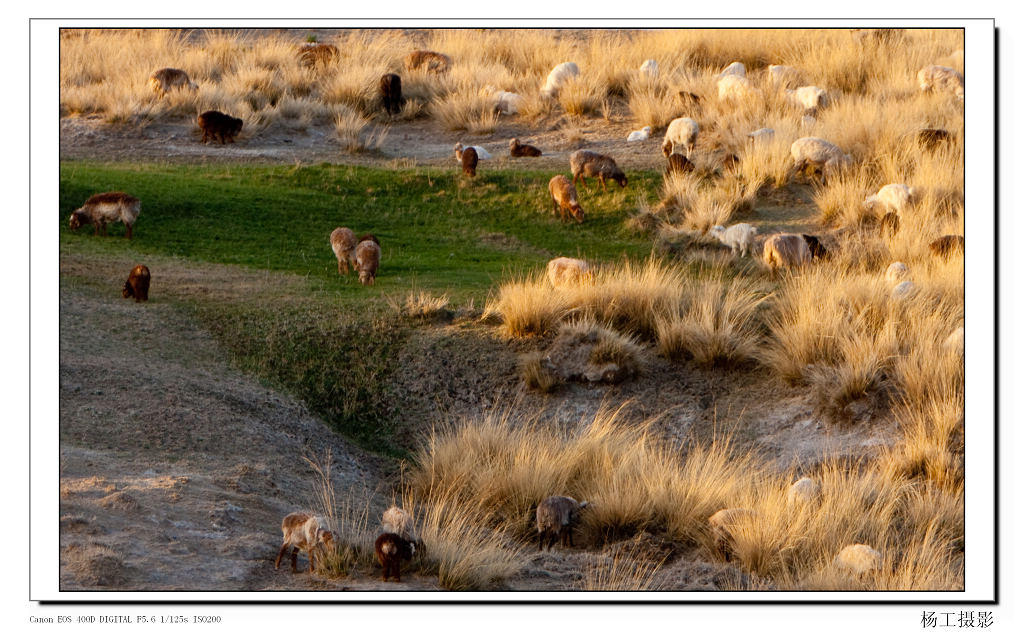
x=217, y=125
x=784, y=76
x=558, y=77
x=367, y=261
x=858, y=558
x=391, y=550
x=649, y=68
x=897, y=271
x=735, y=87
x=889, y=225
x=903, y=290
x=102, y=208
x=469, y=160
x=515, y=149
x=506, y=102
x=941, y=78
x=762, y=134
x=678, y=163
x=804, y=490
x=164, y=80
x=682, y=131
x=586, y=164
x=891, y=198
x=947, y=246
x=639, y=136
x=390, y=88
x=736, y=68
x=343, y=243
x=557, y=515
x=434, y=61
x=564, y=198
x=816, y=248
x=313, y=54
x=566, y=271
x=137, y=284
x=786, y=251
x=306, y=532
x=819, y=154
x=811, y=98
x=737, y=237
x=396, y=520
x=481, y=152
x=930, y=138
x=725, y=522
x=954, y=343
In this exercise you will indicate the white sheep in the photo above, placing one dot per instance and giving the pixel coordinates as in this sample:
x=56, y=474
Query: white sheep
x=736, y=68
x=558, y=77
x=649, y=68
x=896, y=272
x=682, y=131
x=735, y=87
x=903, y=290
x=762, y=134
x=737, y=237
x=859, y=558
x=810, y=97
x=941, y=78
x=481, y=152
x=725, y=522
x=785, y=76
x=639, y=136
x=566, y=271
x=819, y=153
x=805, y=490
x=507, y=103
x=891, y=198
x=396, y=520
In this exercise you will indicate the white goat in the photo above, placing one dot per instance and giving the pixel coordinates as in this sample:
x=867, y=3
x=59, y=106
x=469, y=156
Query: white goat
x=737, y=237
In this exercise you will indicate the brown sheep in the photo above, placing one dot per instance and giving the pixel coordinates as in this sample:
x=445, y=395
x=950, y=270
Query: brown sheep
x=947, y=246
x=137, y=284
x=515, y=149
x=391, y=550
x=369, y=237
x=391, y=92
x=564, y=198
x=586, y=164
x=557, y=515
x=889, y=225
x=469, y=160
x=164, y=80
x=816, y=248
x=312, y=54
x=102, y=208
x=678, y=163
x=367, y=261
x=306, y=532
x=434, y=61
x=786, y=251
x=343, y=243
x=217, y=125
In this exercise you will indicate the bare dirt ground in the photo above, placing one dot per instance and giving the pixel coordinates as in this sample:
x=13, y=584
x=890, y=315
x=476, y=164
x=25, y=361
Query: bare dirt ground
x=176, y=469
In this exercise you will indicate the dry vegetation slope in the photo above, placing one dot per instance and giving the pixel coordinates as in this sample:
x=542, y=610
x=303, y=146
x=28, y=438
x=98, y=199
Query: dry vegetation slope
x=835, y=330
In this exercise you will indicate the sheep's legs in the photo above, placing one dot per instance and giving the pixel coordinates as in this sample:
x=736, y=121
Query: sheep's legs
x=295, y=560
x=280, y=555
x=129, y=230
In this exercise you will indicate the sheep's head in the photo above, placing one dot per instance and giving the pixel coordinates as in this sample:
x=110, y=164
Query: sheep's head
x=127, y=291
x=620, y=178
x=666, y=147
x=458, y=151
x=872, y=204
x=325, y=538
x=366, y=277
x=577, y=212
x=514, y=142
x=716, y=231
x=815, y=246
x=77, y=219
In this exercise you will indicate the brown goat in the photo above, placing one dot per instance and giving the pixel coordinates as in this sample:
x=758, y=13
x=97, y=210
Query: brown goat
x=947, y=246
x=889, y=225
x=102, y=208
x=469, y=159
x=391, y=92
x=217, y=125
x=343, y=243
x=556, y=517
x=137, y=284
x=678, y=163
x=312, y=54
x=391, y=550
x=586, y=164
x=306, y=532
x=367, y=261
x=515, y=149
x=434, y=61
x=564, y=198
